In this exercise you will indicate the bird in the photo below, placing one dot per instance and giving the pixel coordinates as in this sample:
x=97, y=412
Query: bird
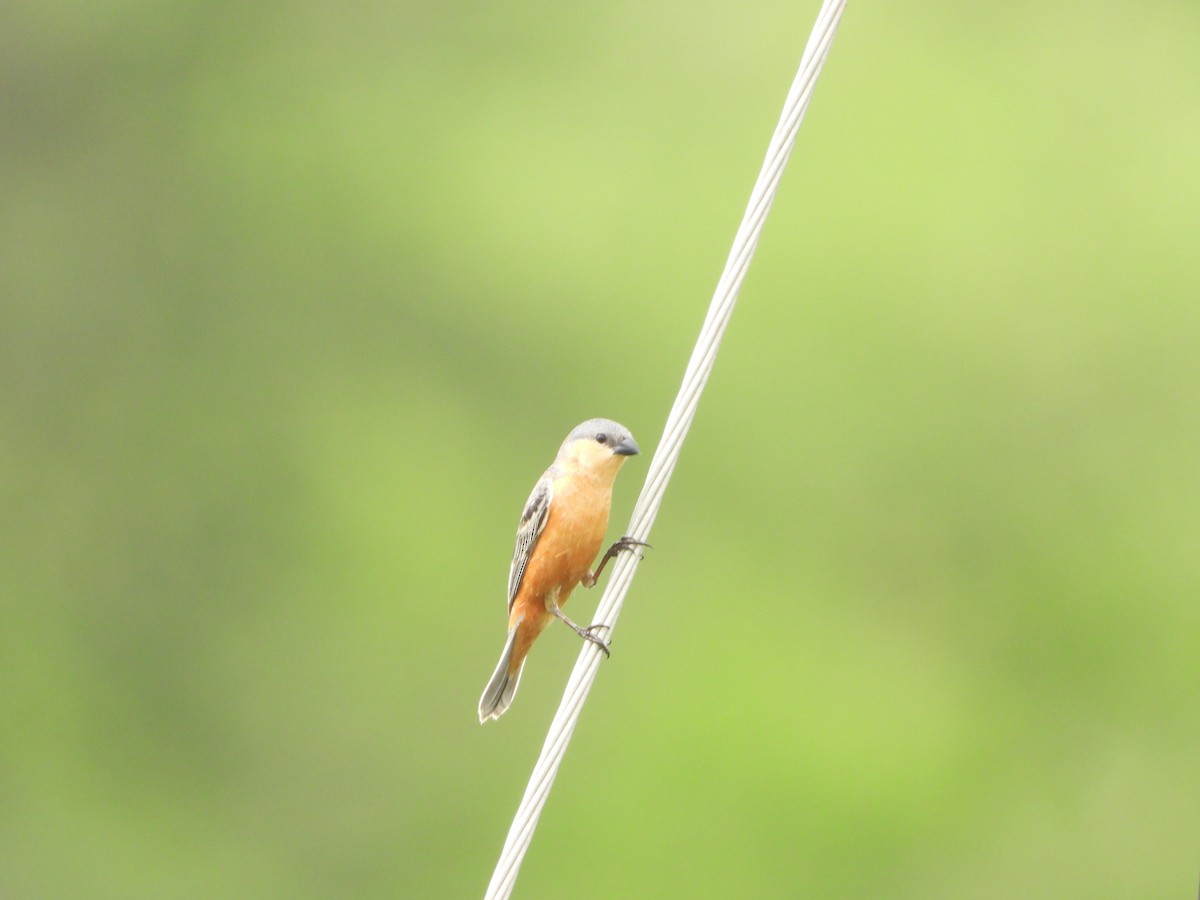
x=560, y=533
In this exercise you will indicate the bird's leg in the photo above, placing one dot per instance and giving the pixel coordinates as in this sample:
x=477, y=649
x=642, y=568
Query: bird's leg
x=585, y=633
x=625, y=543
x=589, y=580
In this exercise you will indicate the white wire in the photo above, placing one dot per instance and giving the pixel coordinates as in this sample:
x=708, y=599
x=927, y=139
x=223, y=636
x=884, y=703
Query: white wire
x=667, y=454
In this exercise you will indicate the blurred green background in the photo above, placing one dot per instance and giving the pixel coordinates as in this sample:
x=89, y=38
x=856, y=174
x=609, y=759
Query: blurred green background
x=297, y=300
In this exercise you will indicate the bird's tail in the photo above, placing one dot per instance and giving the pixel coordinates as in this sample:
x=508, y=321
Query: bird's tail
x=502, y=687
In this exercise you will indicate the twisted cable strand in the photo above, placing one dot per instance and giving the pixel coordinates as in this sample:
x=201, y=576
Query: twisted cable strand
x=669, y=446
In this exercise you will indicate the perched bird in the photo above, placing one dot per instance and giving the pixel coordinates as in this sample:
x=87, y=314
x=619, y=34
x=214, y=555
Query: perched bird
x=558, y=537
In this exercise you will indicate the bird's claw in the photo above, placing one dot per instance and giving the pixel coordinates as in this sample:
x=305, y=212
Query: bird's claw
x=588, y=635
x=627, y=543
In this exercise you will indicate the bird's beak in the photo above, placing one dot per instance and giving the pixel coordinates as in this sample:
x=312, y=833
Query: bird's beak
x=626, y=447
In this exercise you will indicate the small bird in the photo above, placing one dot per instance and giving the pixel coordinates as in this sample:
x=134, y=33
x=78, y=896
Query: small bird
x=558, y=537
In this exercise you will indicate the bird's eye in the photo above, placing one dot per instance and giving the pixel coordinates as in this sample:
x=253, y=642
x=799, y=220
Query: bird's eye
x=602, y=438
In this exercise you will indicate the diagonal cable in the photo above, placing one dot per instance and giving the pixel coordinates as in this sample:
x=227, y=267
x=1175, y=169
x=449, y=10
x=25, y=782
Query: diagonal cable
x=667, y=454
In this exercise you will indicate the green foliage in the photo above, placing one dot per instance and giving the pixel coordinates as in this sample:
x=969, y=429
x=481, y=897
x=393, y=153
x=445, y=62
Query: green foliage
x=298, y=299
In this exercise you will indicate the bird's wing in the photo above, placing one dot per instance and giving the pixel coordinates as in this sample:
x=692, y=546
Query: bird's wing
x=533, y=520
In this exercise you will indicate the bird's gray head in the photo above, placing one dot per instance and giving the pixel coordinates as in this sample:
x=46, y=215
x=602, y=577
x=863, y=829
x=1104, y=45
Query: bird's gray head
x=606, y=433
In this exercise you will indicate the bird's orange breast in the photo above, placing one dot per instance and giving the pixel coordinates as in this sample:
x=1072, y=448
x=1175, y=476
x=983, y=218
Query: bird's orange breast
x=567, y=546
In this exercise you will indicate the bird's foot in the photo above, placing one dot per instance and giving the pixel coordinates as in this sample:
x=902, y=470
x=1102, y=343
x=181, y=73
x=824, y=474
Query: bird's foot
x=587, y=633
